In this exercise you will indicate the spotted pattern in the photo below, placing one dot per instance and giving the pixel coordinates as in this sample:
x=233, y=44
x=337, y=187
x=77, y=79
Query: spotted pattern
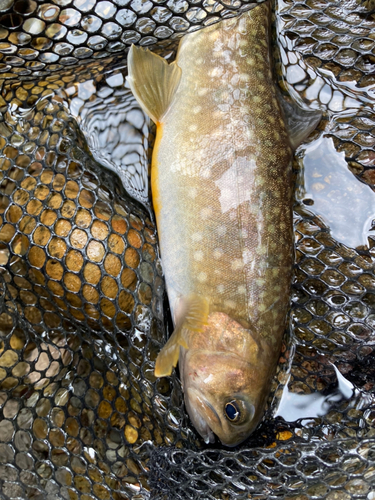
x=235, y=157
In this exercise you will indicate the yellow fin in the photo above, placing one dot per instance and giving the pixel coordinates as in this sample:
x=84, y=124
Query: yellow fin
x=193, y=315
x=168, y=357
x=153, y=81
x=194, y=312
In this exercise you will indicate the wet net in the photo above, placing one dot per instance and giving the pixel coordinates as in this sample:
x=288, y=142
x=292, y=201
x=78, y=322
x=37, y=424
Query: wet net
x=83, y=309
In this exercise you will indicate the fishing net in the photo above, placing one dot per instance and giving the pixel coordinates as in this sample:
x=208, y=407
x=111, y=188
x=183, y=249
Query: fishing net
x=83, y=309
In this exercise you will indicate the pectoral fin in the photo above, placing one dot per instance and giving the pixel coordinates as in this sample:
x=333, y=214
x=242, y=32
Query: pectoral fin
x=193, y=316
x=299, y=122
x=153, y=81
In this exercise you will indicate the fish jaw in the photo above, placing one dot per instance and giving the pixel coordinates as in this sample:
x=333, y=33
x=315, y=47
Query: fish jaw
x=226, y=363
x=203, y=415
x=209, y=423
x=196, y=408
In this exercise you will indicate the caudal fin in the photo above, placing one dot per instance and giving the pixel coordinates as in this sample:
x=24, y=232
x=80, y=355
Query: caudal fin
x=153, y=81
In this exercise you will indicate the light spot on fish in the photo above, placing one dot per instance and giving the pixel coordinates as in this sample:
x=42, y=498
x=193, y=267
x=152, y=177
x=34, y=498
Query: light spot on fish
x=246, y=256
x=193, y=127
x=216, y=72
x=261, y=250
x=206, y=212
x=234, y=79
x=236, y=94
x=236, y=264
x=202, y=277
x=218, y=253
x=230, y=304
x=241, y=289
x=198, y=255
x=193, y=192
x=203, y=91
x=197, y=237
x=224, y=107
x=221, y=230
x=220, y=288
x=197, y=109
x=249, y=134
x=232, y=184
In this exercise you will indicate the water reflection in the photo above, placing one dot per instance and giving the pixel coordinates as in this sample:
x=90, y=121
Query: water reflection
x=115, y=128
x=345, y=204
x=344, y=82
x=295, y=406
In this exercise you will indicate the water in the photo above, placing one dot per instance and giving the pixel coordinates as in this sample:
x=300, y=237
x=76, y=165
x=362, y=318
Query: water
x=346, y=205
x=294, y=406
x=334, y=194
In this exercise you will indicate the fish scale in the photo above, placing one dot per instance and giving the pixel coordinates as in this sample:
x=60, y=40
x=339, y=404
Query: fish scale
x=255, y=154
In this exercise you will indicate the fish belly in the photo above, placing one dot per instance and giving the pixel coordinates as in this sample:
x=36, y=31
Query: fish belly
x=221, y=177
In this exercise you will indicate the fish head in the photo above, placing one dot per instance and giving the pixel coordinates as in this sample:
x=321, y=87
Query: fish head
x=226, y=378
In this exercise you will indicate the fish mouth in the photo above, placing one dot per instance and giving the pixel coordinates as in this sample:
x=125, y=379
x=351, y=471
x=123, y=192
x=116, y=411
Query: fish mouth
x=204, y=430
x=196, y=407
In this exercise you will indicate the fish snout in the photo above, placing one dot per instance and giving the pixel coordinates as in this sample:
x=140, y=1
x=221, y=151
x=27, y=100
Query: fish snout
x=199, y=411
x=208, y=423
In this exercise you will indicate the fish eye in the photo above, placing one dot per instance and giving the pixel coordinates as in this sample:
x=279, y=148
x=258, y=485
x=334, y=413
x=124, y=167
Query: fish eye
x=232, y=412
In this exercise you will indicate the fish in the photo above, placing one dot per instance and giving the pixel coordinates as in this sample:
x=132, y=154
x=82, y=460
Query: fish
x=222, y=196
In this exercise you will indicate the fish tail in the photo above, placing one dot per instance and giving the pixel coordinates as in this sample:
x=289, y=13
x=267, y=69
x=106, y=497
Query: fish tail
x=153, y=81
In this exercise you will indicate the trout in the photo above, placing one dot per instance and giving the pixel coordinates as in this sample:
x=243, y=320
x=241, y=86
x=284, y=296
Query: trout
x=222, y=195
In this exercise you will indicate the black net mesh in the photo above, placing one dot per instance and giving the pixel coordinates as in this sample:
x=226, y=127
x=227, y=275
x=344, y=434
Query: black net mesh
x=82, y=313
x=39, y=37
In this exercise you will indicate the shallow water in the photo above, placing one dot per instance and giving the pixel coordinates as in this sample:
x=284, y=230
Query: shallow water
x=346, y=205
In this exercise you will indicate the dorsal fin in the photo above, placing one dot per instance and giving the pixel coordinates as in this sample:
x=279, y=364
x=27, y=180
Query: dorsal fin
x=193, y=316
x=153, y=81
